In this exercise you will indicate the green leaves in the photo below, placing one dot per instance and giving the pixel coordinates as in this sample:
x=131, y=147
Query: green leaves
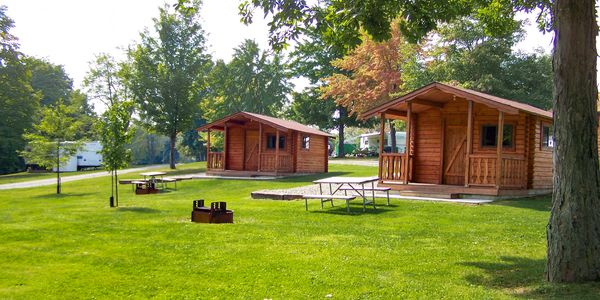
x=115, y=135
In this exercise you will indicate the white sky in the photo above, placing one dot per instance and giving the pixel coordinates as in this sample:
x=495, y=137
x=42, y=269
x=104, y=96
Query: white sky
x=72, y=32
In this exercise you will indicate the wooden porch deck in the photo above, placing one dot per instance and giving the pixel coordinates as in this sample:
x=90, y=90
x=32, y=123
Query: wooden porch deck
x=456, y=191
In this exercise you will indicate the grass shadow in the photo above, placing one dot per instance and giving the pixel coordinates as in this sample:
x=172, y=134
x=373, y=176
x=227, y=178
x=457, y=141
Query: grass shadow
x=355, y=210
x=539, y=203
x=524, y=278
x=61, y=195
x=145, y=210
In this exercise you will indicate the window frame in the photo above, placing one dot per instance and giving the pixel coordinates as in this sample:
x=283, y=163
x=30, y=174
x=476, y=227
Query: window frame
x=510, y=147
x=550, y=135
x=282, y=142
x=305, y=142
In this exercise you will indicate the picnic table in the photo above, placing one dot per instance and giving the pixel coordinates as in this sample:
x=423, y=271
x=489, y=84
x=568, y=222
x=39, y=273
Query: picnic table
x=356, y=184
x=152, y=177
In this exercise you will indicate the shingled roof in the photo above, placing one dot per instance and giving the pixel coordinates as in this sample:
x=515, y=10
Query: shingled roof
x=271, y=121
x=509, y=106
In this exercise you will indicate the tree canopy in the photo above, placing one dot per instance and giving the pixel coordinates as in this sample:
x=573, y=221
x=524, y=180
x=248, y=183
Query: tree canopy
x=168, y=73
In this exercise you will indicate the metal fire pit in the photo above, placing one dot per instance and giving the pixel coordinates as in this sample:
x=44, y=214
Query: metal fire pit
x=216, y=213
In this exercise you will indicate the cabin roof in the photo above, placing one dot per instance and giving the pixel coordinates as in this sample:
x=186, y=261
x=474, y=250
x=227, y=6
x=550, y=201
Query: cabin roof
x=440, y=93
x=280, y=124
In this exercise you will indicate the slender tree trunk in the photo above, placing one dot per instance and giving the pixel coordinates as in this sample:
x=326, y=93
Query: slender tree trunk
x=342, y=119
x=173, y=139
x=117, y=188
x=574, y=227
x=58, y=167
x=393, y=136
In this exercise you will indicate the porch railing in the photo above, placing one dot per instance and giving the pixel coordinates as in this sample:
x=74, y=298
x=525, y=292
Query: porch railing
x=267, y=163
x=215, y=161
x=392, y=166
x=483, y=170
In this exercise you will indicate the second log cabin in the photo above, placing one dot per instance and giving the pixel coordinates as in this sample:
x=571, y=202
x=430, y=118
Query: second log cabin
x=256, y=144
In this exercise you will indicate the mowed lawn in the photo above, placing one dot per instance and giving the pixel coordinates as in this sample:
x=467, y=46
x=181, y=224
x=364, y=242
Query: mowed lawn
x=75, y=246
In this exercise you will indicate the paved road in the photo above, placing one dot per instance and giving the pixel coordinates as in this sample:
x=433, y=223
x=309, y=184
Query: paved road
x=51, y=181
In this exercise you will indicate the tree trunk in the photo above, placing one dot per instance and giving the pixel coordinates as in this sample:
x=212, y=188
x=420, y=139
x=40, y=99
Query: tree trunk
x=393, y=136
x=343, y=114
x=173, y=139
x=574, y=227
x=58, y=167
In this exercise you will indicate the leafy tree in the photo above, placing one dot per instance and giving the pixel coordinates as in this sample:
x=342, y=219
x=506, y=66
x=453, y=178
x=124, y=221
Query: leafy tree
x=105, y=80
x=312, y=59
x=167, y=74
x=50, y=80
x=115, y=136
x=84, y=113
x=465, y=55
x=18, y=102
x=573, y=235
x=254, y=81
x=52, y=144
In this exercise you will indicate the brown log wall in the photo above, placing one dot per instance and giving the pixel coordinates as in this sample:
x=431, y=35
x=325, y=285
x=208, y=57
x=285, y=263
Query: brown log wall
x=539, y=170
x=312, y=160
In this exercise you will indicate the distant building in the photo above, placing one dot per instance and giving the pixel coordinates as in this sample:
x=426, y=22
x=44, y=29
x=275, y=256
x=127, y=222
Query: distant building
x=370, y=141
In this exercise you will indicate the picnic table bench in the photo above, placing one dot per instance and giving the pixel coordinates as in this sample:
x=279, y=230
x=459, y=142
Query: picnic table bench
x=328, y=198
x=370, y=189
x=356, y=184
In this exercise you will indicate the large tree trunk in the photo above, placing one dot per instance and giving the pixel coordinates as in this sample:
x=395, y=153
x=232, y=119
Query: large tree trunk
x=574, y=228
x=173, y=139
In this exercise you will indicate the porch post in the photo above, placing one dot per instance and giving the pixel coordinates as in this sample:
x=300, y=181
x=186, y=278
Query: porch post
x=381, y=138
x=407, y=140
x=499, y=149
x=208, y=150
x=259, y=144
x=277, y=151
x=469, y=143
x=224, y=156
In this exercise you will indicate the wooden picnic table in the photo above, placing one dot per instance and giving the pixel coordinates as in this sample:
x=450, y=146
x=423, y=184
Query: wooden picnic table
x=153, y=176
x=356, y=184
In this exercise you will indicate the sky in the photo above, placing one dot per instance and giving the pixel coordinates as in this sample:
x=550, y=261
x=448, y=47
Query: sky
x=72, y=32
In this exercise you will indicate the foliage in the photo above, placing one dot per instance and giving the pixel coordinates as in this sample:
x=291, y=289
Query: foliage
x=18, y=102
x=341, y=21
x=115, y=135
x=167, y=75
x=50, y=80
x=83, y=112
x=253, y=81
x=51, y=144
x=147, y=147
x=372, y=73
x=465, y=55
x=105, y=80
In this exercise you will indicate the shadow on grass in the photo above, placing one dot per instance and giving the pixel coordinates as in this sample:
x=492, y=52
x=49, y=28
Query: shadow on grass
x=540, y=203
x=524, y=278
x=138, y=210
x=61, y=195
x=355, y=210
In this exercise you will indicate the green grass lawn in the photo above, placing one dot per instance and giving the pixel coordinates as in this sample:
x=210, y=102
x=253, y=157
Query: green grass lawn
x=75, y=246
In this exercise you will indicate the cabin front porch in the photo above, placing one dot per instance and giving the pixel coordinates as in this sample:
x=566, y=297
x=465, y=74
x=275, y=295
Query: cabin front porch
x=215, y=165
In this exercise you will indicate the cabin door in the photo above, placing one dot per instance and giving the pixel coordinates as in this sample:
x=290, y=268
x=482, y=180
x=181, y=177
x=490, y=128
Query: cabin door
x=455, y=144
x=251, y=151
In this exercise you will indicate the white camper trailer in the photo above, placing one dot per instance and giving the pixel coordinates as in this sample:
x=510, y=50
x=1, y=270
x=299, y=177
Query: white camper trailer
x=88, y=157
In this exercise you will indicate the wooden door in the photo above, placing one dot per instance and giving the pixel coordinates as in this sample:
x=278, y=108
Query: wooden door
x=455, y=142
x=251, y=151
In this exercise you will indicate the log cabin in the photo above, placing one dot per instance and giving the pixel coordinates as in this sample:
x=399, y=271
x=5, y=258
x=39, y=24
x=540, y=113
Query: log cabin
x=256, y=144
x=456, y=149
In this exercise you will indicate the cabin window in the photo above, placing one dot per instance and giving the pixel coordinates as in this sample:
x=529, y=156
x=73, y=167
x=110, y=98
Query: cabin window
x=271, y=138
x=306, y=142
x=489, y=135
x=547, y=137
